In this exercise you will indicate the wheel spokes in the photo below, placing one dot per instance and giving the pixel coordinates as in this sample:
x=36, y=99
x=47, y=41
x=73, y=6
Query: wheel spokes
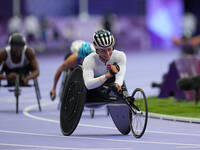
x=139, y=113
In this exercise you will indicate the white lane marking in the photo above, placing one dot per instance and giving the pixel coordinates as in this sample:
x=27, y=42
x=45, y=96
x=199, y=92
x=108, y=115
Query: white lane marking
x=186, y=147
x=103, y=139
x=55, y=147
x=29, y=108
x=173, y=133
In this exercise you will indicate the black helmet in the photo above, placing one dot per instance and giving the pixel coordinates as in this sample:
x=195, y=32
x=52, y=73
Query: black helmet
x=103, y=39
x=17, y=39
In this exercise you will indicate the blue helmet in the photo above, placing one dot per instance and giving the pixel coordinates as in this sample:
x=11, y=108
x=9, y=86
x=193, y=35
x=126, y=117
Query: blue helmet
x=85, y=49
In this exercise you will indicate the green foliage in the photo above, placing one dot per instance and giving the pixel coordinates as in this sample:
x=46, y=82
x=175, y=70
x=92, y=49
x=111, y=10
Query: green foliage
x=170, y=106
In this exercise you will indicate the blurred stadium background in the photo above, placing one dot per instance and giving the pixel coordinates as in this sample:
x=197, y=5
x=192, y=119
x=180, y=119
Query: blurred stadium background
x=138, y=25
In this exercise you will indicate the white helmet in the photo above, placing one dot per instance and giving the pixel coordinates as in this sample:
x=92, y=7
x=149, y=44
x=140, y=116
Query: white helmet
x=103, y=39
x=76, y=45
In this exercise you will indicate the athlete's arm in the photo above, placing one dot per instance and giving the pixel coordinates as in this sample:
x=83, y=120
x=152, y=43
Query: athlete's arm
x=70, y=62
x=195, y=41
x=3, y=56
x=33, y=63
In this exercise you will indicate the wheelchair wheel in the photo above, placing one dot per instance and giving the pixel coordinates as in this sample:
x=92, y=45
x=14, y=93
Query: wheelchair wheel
x=138, y=113
x=72, y=102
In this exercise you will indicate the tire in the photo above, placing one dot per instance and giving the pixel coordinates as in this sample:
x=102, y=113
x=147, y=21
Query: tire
x=72, y=102
x=138, y=113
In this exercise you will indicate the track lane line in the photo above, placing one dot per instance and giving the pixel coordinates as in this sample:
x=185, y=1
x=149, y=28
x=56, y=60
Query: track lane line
x=31, y=107
x=27, y=109
x=59, y=148
x=103, y=139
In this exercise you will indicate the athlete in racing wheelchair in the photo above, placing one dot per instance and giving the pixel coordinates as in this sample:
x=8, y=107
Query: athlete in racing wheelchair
x=79, y=50
x=100, y=81
x=19, y=65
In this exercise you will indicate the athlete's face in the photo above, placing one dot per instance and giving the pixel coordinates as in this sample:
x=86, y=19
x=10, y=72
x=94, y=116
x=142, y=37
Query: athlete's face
x=105, y=53
x=16, y=51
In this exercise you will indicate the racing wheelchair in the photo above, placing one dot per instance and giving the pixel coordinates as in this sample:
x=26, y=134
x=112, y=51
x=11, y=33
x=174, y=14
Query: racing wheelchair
x=16, y=84
x=129, y=113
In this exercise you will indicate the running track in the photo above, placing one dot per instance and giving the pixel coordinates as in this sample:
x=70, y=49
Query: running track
x=31, y=129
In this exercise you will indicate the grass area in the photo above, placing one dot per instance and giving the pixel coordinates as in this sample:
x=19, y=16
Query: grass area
x=170, y=106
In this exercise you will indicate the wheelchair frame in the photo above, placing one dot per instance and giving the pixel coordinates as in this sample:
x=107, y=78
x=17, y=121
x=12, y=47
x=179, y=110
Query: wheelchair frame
x=17, y=90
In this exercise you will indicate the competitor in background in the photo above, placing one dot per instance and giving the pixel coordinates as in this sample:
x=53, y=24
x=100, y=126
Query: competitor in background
x=188, y=45
x=79, y=50
x=193, y=41
x=17, y=59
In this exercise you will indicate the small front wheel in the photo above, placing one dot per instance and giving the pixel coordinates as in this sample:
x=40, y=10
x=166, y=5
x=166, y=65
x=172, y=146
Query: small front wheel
x=138, y=113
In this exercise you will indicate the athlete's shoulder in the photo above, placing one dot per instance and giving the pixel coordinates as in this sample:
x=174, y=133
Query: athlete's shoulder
x=3, y=54
x=90, y=60
x=30, y=53
x=118, y=53
x=92, y=56
x=28, y=48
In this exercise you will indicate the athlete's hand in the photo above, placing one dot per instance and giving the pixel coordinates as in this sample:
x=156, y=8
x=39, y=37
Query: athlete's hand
x=53, y=95
x=114, y=69
x=25, y=81
x=12, y=75
x=177, y=41
x=116, y=88
x=119, y=89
